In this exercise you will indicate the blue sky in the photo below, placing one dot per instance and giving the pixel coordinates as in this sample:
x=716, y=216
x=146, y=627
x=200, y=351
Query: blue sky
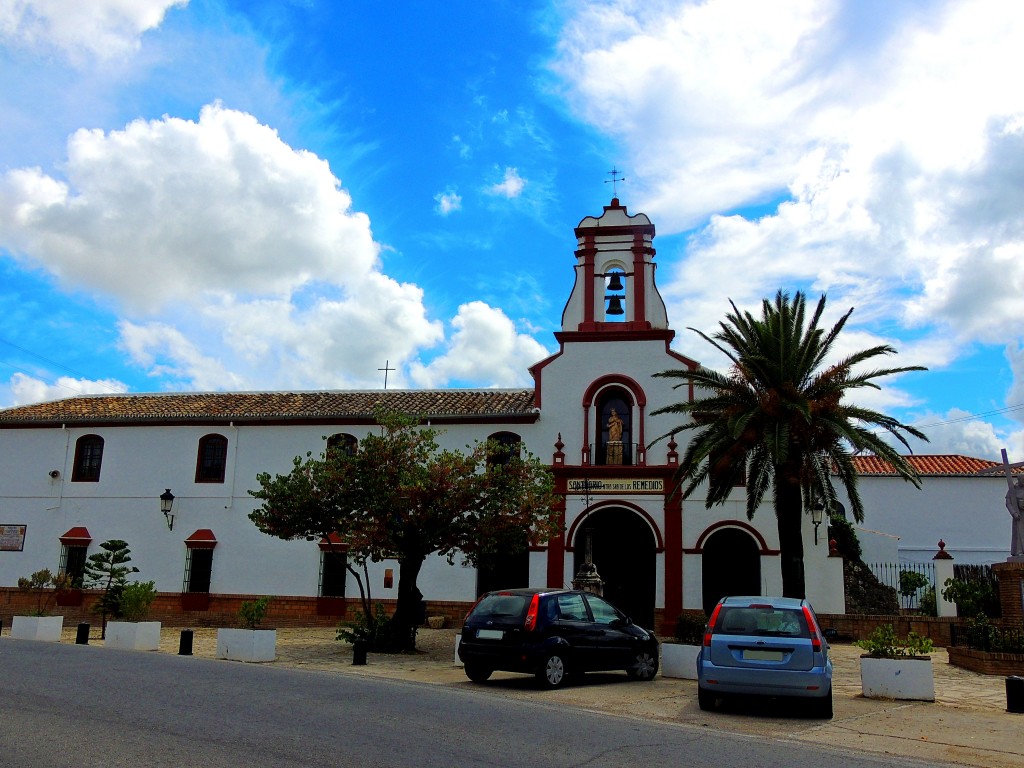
x=271, y=195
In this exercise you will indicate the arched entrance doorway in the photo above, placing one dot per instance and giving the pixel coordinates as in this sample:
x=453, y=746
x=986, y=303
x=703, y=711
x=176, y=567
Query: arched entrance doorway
x=731, y=566
x=624, y=554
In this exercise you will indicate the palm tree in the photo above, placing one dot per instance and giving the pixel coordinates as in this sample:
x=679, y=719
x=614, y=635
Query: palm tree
x=779, y=420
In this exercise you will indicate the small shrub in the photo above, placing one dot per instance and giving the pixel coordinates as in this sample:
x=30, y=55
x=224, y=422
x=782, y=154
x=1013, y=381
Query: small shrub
x=45, y=586
x=136, y=599
x=883, y=643
x=911, y=581
x=690, y=628
x=971, y=597
x=374, y=631
x=927, y=603
x=253, y=612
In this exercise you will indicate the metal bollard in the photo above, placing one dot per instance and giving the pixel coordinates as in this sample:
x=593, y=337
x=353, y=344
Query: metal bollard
x=359, y=653
x=185, y=644
x=1015, y=694
x=82, y=637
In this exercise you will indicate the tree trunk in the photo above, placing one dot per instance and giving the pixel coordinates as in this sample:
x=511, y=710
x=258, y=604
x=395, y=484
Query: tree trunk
x=407, y=610
x=789, y=517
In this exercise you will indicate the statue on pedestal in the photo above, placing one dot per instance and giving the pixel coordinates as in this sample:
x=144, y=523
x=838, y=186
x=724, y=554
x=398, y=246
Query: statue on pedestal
x=1015, y=506
x=614, y=447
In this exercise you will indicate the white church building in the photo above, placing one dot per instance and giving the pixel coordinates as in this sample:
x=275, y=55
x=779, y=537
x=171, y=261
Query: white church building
x=83, y=470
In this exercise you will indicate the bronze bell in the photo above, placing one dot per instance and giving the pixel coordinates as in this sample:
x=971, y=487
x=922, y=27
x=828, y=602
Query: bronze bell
x=615, y=284
x=614, y=305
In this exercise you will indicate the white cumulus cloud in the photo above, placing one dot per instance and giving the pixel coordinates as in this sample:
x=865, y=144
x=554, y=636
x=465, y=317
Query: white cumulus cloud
x=511, y=186
x=28, y=389
x=447, y=202
x=101, y=28
x=884, y=150
x=485, y=350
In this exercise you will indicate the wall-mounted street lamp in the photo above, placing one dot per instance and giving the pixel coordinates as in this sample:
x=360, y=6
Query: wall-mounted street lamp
x=167, y=501
x=817, y=511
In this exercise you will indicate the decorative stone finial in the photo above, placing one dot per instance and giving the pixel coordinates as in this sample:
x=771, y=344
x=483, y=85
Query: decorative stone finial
x=942, y=554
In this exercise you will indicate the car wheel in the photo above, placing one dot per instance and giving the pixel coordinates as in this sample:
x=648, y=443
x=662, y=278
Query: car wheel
x=822, y=707
x=644, y=666
x=554, y=673
x=705, y=700
x=478, y=674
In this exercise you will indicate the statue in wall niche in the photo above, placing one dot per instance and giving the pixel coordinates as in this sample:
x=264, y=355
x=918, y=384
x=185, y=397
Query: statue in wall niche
x=615, y=427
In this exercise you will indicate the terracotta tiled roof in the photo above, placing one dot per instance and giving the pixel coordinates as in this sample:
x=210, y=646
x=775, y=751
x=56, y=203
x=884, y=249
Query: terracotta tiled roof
x=940, y=464
x=265, y=406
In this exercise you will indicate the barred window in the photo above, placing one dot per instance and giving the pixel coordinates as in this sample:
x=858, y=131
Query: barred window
x=212, y=459
x=88, y=459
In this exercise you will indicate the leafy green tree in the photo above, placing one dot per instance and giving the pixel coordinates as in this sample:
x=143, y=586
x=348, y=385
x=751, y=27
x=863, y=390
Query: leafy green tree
x=108, y=570
x=401, y=497
x=779, y=420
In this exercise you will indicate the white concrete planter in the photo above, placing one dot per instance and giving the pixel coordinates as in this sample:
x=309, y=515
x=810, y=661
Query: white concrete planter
x=247, y=644
x=44, y=628
x=907, y=677
x=133, y=635
x=678, y=660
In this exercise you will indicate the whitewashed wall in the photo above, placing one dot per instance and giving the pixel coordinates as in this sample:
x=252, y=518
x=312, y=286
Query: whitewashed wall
x=968, y=513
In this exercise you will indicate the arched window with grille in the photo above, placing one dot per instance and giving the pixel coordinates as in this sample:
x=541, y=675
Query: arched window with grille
x=509, y=445
x=212, y=459
x=344, y=442
x=88, y=459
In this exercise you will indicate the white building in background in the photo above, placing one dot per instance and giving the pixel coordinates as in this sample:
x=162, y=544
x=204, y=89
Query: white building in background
x=80, y=471
x=954, y=504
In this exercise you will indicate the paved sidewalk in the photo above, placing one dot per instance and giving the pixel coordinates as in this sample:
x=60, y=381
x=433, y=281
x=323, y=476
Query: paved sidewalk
x=967, y=724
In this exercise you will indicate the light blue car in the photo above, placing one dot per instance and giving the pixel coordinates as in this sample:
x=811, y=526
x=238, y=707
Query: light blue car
x=765, y=646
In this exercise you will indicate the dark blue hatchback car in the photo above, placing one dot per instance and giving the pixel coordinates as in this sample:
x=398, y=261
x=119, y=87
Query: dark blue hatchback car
x=554, y=634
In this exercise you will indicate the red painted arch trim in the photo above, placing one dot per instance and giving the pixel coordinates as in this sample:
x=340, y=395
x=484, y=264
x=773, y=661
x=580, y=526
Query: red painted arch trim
x=201, y=539
x=615, y=378
x=570, y=535
x=762, y=545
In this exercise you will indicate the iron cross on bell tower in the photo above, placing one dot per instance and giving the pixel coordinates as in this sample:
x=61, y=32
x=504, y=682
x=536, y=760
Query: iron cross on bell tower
x=616, y=177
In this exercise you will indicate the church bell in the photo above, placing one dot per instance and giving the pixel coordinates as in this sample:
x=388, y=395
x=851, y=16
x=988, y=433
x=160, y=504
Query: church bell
x=614, y=305
x=615, y=284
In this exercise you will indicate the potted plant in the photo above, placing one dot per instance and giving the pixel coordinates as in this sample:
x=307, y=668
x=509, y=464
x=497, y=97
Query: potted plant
x=896, y=668
x=39, y=625
x=250, y=643
x=679, y=656
x=134, y=634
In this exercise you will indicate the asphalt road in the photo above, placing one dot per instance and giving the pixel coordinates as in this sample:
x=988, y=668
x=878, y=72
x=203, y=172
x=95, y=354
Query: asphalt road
x=67, y=705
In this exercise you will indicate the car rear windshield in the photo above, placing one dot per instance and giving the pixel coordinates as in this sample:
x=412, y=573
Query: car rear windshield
x=761, y=620
x=500, y=606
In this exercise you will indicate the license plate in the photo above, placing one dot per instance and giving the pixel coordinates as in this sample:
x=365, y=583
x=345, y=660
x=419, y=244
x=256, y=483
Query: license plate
x=751, y=654
x=489, y=634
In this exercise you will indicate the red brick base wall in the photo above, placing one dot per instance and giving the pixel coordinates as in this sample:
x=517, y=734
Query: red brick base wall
x=222, y=611
x=857, y=627
x=987, y=663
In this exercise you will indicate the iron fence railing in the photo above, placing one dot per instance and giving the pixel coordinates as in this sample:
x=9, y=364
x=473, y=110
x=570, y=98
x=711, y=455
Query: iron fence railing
x=982, y=636
x=910, y=580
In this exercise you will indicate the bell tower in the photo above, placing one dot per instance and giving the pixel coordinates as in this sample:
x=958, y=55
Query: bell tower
x=614, y=290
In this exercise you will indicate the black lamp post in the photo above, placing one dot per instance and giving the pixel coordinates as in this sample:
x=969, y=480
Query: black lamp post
x=166, y=502
x=817, y=512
